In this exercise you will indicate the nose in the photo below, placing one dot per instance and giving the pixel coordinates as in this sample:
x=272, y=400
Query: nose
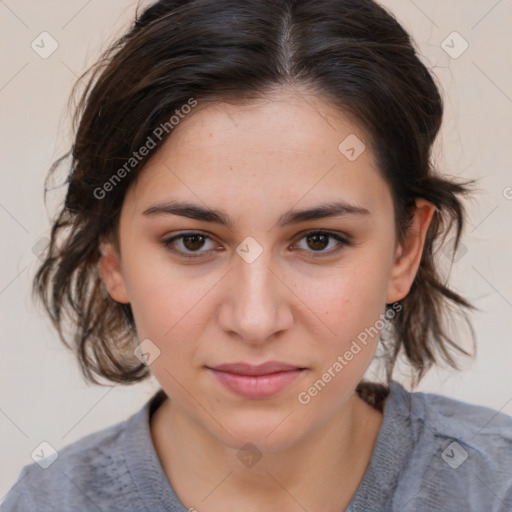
x=257, y=304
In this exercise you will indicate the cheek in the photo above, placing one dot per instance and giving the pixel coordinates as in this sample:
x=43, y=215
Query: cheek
x=166, y=298
x=168, y=310
x=348, y=300
x=173, y=307
x=352, y=305
x=163, y=309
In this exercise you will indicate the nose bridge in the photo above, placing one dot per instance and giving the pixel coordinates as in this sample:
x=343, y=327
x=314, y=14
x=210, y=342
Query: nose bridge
x=255, y=282
x=257, y=307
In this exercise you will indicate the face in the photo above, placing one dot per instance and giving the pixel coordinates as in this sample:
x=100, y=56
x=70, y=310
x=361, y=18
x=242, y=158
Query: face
x=257, y=282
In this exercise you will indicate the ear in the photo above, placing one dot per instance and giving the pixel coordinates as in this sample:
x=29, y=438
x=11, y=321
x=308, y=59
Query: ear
x=408, y=255
x=109, y=266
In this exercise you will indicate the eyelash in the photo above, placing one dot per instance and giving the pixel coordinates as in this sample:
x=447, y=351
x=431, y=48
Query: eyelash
x=168, y=242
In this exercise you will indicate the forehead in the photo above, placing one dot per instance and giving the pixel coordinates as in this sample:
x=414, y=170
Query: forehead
x=286, y=148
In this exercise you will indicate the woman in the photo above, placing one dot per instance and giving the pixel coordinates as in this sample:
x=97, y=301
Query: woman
x=251, y=210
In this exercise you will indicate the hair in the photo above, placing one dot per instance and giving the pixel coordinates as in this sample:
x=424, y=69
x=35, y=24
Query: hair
x=352, y=53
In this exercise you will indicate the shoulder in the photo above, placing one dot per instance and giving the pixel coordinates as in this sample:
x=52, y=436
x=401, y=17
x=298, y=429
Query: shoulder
x=484, y=430
x=85, y=475
x=462, y=451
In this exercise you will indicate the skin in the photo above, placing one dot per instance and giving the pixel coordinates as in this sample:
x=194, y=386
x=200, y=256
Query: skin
x=304, y=306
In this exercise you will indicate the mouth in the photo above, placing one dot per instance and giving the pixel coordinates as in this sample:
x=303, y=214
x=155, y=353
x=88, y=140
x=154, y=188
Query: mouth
x=256, y=381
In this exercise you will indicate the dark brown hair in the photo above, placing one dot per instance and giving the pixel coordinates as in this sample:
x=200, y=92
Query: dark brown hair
x=353, y=53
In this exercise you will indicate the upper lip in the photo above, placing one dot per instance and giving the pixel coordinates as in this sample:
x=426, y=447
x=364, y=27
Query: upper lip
x=261, y=369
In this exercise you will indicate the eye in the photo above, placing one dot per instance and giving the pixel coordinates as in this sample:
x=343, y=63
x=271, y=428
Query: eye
x=319, y=240
x=189, y=243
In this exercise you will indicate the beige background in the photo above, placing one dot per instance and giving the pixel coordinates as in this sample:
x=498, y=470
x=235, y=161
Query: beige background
x=43, y=397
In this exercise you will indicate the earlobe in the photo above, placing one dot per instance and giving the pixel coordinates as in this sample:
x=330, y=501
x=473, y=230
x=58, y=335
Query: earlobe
x=408, y=255
x=109, y=266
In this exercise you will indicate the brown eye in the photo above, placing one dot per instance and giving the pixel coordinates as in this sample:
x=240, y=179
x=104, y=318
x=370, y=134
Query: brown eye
x=318, y=241
x=193, y=242
x=189, y=245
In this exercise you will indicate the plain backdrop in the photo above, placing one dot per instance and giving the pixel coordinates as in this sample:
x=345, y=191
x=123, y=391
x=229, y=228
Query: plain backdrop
x=43, y=396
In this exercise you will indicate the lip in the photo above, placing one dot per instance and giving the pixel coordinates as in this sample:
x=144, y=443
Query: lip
x=256, y=381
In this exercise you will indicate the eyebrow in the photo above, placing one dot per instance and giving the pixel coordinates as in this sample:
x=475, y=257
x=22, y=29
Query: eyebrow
x=193, y=211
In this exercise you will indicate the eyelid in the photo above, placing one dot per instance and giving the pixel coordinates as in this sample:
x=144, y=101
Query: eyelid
x=344, y=237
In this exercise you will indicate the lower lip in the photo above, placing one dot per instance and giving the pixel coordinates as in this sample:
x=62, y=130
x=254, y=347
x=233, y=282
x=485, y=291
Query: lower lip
x=257, y=386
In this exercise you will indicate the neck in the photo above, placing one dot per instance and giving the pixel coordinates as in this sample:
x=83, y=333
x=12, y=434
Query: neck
x=322, y=471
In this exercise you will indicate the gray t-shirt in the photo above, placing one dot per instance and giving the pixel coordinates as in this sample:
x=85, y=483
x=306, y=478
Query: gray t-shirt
x=432, y=453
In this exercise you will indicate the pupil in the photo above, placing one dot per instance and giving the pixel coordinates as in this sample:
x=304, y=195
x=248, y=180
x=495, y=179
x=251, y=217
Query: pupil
x=316, y=238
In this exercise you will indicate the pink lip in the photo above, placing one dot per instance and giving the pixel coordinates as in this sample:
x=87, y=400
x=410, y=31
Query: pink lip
x=261, y=381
